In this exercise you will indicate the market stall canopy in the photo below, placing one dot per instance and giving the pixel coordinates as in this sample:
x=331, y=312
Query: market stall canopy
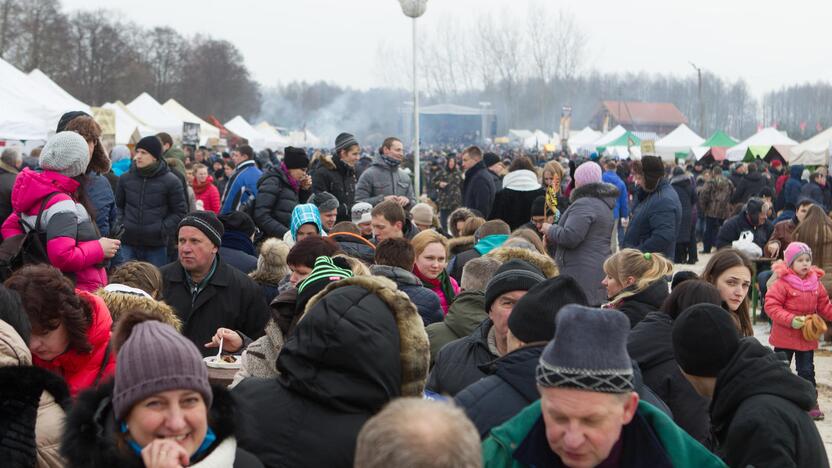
x=26, y=112
x=720, y=139
x=55, y=93
x=583, y=137
x=680, y=140
x=128, y=126
x=714, y=148
x=239, y=126
x=606, y=139
x=277, y=140
x=304, y=139
x=206, y=130
x=154, y=115
x=814, y=151
x=538, y=139
x=519, y=135
x=766, y=137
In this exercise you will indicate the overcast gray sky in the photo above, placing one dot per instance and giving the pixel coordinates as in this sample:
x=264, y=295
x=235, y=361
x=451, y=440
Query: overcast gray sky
x=768, y=43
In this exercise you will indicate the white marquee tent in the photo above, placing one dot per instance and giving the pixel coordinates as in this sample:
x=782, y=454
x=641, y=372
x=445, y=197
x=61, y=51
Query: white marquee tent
x=768, y=136
x=537, y=139
x=605, y=139
x=127, y=124
x=149, y=111
x=680, y=140
x=583, y=137
x=54, y=93
x=274, y=138
x=239, y=126
x=813, y=152
x=206, y=130
x=25, y=112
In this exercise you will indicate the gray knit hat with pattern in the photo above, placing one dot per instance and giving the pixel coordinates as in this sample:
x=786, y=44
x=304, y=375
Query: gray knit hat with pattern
x=156, y=358
x=66, y=153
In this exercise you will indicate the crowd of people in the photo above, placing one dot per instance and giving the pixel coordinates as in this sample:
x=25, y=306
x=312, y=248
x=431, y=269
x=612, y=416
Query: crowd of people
x=523, y=312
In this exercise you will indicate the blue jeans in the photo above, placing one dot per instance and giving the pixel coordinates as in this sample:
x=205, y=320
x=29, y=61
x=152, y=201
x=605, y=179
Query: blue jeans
x=804, y=362
x=158, y=256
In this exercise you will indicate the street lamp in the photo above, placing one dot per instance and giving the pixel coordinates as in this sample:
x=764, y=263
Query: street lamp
x=415, y=9
x=701, y=104
x=484, y=120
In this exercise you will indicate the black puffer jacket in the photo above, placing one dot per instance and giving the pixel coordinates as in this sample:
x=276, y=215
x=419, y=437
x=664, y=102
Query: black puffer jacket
x=478, y=191
x=650, y=345
x=458, y=363
x=90, y=441
x=759, y=413
x=683, y=185
x=359, y=346
x=275, y=201
x=749, y=186
x=355, y=245
x=150, y=207
x=637, y=306
x=425, y=300
x=337, y=178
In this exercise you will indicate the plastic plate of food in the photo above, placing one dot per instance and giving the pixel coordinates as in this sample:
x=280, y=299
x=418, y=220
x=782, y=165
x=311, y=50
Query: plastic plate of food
x=224, y=362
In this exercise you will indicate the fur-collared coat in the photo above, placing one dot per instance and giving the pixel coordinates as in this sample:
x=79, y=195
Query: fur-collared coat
x=544, y=263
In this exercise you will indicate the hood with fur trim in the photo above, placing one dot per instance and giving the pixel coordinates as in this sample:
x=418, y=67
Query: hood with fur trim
x=543, y=262
x=118, y=303
x=607, y=193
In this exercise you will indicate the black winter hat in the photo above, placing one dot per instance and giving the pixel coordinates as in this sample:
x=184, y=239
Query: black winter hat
x=238, y=221
x=490, y=159
x=653, y=170
x=69, y=117
x=705, y=338
x=514, y=275
x=295, y=158
x=205, y=221
x=539, y=206
x=152, y=145
x=533, y=317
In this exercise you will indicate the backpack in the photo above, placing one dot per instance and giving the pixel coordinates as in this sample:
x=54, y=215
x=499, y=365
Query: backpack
x=25, y=249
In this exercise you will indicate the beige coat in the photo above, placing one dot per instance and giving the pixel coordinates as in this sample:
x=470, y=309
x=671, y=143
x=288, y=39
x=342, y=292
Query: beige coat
x=50, y=418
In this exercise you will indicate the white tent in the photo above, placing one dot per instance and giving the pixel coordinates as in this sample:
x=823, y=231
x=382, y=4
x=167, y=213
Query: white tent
x=304, y=139
x=149, y=111
x=537, y=140
x=583, y=137
x=206, y=130
x=24, y=113
x=768, y=136
x=605, y=139
x=241, y=127
x=54, y=93
x=516, y=135
x=680, y=140
x=274, y=138
x=813, y=152
x=127, y=124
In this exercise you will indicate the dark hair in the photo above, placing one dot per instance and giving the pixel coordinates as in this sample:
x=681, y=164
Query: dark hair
x=246, y=151
x=387, y=143
x=140, y=275
x=681, y=276
x=473, y=151
x=688, y=293
x=229, y=164
x=520, y=163
x=88, y=128
x=459, y=214
x=310, y=248
x=11, y=312
x=815, y=231
x=49, y=300
x=391, y=211
x=752, y=167
x=165, y=138
x=766, y=192
x=723, y=260
x=396, y=252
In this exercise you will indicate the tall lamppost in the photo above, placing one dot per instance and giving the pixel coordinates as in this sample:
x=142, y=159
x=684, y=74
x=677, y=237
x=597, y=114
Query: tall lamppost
x=701, y=103
x=415, y=9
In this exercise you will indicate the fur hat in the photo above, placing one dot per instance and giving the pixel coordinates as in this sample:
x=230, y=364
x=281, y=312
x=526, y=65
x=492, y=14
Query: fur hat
x=652, y=169
x=66, y=153
x=271, y=264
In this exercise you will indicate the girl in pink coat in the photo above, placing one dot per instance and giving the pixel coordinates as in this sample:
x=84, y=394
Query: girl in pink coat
x=796, y=294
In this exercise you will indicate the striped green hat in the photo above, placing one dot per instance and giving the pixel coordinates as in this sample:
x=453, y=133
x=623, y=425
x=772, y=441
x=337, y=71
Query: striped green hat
x=324, y=269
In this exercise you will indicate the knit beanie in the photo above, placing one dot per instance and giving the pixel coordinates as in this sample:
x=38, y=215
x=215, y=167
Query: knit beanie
x=237, y=221
x=361, y=213
x=589, y=352
x=325, y=201
x=152, y=145
x=207, y=222
x=533, y=317
x=513, y=275
x=490, y=159
x=326, y=270
x=587, y=173
x=69, y=117
x=652, y=169
x=705, y=338
x=66, y=153
x=344, y=141
x=794, y=250
x=422, y=213
x=156, y=358
x=539, y=206
x=295, y=158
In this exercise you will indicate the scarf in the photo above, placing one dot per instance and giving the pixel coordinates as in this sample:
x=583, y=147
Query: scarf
x=393, y=163
x=552, y=202
x=809, y=283
x=237, y=240
x=149, y=170
x=292, y=182
x=199, y=189
x=441, y=282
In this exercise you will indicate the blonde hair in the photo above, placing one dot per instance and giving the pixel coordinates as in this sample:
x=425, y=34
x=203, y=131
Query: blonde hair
x=422, y=240
x=644, y=266
x=555, y=168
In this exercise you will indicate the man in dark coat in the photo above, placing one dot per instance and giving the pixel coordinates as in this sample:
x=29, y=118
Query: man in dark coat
x=277, y=196
x=752, y=218
x=759, y=408
x=792, y=187
x=750, y=185
x=360, y=345
x=478, y=190
x=816, y=190
x=458, y=363
x=237, y=247
x=394, y=260
x=336, y=174
x=494, y=166
x=682, y=183
x=211, y=298
x=150, y=203
x=10, y=163
x=657, y=214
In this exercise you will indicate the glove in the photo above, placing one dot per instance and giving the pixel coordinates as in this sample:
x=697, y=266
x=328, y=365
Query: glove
x=798, y=322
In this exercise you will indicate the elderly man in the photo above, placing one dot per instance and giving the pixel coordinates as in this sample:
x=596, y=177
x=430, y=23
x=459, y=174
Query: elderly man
x=752, y=219
x=213, y=299
x=589, y=413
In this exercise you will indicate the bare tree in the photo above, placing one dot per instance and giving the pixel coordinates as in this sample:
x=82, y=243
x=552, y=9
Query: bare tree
x=9, y=12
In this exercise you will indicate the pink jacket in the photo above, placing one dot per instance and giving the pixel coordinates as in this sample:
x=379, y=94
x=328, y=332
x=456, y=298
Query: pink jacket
x=789, y=297
x=71, y=236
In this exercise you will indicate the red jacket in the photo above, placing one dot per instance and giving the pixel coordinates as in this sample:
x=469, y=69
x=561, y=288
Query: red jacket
x=789, y=297
x=80, y=369
x=209, y=194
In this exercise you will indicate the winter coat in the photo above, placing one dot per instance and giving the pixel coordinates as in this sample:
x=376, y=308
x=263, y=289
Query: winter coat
x=150, y=207
x=683, y=185
x=71, y=237
x=230, y=299
x=355, y=246
x=457, y=245
x=425, y=300
x=457, y=365
x=275, y=201
x=783, y=235
x=7, y=176
x=818, y=194
x=498, y=181
x=582, y=237
x=243, y=184
x=360, y=345
x=119, y=303
x=478, y=189
x=637, y=306
x=622, y=209
x=238, y=259
x=380, y=180
x=336, y=177
x=715, y=198
x=435, y=285
x=736, y=225
x=650, y=345
x=90, y=440
x=450, y=197
x=482, y=247
x=655, y=221
x=790, y=297
x=103, y=202
x=542, y=262
x=793, y=187
x=749, y=186
x=759, y=412
x=208, y=194
x=260, y=358
x=650, y=440
x=513, y=204
x=465, y=314
x=85, y=370
x=35, y=400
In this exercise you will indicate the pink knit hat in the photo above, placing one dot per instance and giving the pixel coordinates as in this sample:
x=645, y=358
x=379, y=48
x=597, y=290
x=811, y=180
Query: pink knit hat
x=794, y=250
x=587, y=173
